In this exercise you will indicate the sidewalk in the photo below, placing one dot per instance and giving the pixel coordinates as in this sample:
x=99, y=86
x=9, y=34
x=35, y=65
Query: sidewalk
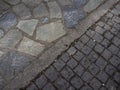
x=34, y=33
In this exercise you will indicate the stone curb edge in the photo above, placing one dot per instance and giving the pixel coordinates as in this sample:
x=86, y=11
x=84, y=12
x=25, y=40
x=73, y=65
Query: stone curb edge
x=49, y=56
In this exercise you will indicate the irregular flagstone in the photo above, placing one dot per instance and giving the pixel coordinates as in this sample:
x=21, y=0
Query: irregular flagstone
x=12, y=63
x=32, y=3
x=22, y=11
x=79, y=3
x=50, y=32
x=92, y=4
x=28, y=26
x=72, y=15
x=11, y=39
x=65, y=2
x=7, y=21
x=1, y=33
x=3, y=6
x=40, y=11
x=12, y=2
x=30, y=47
x=2, y=82
x=55, y=11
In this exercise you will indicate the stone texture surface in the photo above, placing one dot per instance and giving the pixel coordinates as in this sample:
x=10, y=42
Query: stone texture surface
x=90, y=62
x=7, y=21
x=55, y=11
x=65, y=2
x=50, y=32
x=12, y=2
x=28, y=26
x=1, y=33
x=72, y=15
x=40, y=11
x=22, y=11
x=92, y=4
x=30, y=47
x=11, y=39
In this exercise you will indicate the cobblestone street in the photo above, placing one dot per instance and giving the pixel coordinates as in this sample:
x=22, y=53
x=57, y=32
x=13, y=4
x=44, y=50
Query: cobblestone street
x=92, y=62
x=59, y=45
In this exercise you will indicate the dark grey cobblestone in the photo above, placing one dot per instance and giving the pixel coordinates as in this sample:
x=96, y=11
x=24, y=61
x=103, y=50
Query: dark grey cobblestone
x=94, y=65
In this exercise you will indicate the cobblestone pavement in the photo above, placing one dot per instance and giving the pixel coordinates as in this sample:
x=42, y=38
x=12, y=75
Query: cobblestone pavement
x=29, y=27
x=92, y=62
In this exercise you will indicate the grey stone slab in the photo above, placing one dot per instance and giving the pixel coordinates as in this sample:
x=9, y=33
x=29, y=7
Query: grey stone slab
x=79, y=3
x=12, y=2
x=40, y=11
x=11, y=39
x=30, y=47
x=50, y=32
x=32, y=3
x=49, y=86
x=7, y=21
x=92, y=4
x=3, y=6
x=12, y=63
x=22, y=11
x=28, y=26
x=72, y=15
x=55, y=11
x=65, y=2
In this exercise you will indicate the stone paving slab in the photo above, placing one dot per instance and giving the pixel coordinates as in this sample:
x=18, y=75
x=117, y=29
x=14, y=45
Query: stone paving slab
x=38, y=36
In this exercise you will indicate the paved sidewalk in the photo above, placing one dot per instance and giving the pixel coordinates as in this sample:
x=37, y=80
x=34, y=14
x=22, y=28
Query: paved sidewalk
x=92, y=62
x=34, y=32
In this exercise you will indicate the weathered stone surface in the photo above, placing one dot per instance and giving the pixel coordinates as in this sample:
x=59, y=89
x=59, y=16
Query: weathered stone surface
x=2, y=82
x=50, y=32
x=7, y=21
x=3, y=6
x=12, y=63
x=12, y=2
x=92, y=4
x=65, y=2
x=40, y=11
x=32, y=3
x=22, y=11
x=55, y=11
x=30, y=47
x=79, y=3
x=1, y=33
x=11, y=39
x=44, y=20
x=28, y=26
x=72, y=15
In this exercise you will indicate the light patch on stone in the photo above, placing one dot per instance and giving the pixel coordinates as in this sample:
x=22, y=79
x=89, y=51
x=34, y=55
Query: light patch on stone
x=92, y=4
x=30, y=47
x=28, y=26
x=11, y=39
x=55, y=11
x=50, y=32
x=1, y=53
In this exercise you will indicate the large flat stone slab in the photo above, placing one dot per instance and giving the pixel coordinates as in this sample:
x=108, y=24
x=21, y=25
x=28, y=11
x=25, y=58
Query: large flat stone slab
x=28, y=26
x=22, y=11
x=72, y=15
x=92, y=4
x=12, y=63
x=30, y=47
x=3, y=6
x=11, y=39
x=7, y=21
x=40, y=11
x=55, y=11
x=50, y=32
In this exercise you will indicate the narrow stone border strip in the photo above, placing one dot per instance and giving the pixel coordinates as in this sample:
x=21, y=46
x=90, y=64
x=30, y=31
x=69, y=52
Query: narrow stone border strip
x=49, y=56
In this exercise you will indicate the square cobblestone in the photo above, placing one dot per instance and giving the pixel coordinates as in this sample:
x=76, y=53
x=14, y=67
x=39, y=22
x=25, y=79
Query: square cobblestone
x=85, y=62
x=113, y=49
x=106, y=54
x=95, y=84
x=84, y=39
x=87, y=77
x=51, y=73
x=76, y=82
x=108, y=35
x=86, y=50
x=79, y=70
x=97, y=37
x=115, y=61
x=116, y=41
x=90, y=33
x=67, y=73
x=41, y=81
x=99, y=48
x=110, y=69
x=72, y=63
x=86, y=88
x=100, y=30
x=94, y=69
x=117, y=77
x=79, y=45
x=92, y=56
x=78, y=56
x=32, y=87
x=61, y=84
x=91, y=43
x=49, y=86
x=59, y=64
x=100, y=23
x=101, y=63
x=65, y=57
x=105, y=43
